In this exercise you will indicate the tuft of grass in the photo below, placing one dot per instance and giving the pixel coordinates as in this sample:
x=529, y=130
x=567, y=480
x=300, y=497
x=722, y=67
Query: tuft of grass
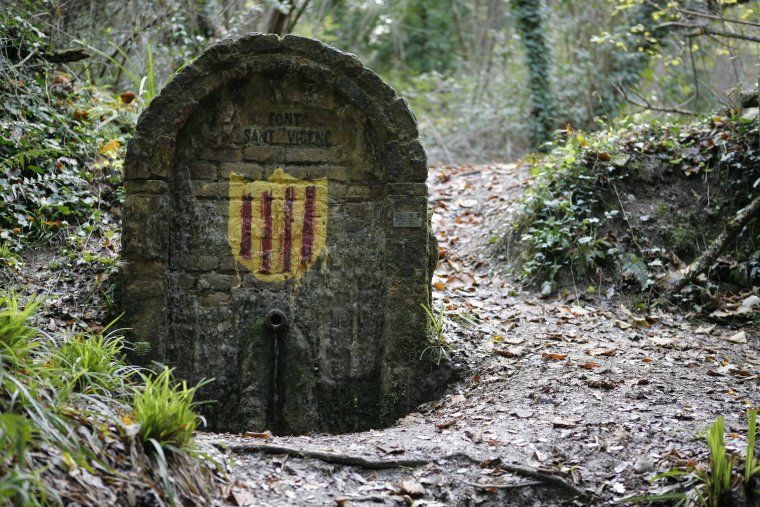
x=718, y=481
x=93, y=364
x=165, y=411
x=8, y=256
x=60, y=402
x=751, y=464
x=16, y=344
x=439, y=347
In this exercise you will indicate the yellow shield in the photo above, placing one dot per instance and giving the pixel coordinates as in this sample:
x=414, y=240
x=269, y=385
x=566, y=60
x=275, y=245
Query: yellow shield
x=277, y=226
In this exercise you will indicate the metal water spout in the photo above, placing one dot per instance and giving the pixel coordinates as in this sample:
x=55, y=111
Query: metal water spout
x=275, y=321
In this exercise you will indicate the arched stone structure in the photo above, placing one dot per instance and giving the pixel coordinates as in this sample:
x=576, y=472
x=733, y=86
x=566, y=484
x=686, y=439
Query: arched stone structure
x=278, y=174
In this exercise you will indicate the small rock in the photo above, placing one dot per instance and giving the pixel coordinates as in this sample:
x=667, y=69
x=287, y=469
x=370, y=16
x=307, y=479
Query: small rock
x=412, y=488
x=457, y=398
x=545, y=399
x=643, y=466
x=749, y=305
x=750, y=113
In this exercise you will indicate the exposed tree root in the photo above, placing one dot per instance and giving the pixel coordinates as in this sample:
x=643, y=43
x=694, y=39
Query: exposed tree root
x=541, y=476
x=545, y=476
x=733, y=228
x=327, y=457
x=505, y=486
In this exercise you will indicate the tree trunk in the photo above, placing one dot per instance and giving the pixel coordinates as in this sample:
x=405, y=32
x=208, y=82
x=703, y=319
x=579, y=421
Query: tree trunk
x=283, y=22
x=530, y=25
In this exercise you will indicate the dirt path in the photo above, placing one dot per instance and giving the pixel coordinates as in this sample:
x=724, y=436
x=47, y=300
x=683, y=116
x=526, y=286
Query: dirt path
x=601, y=396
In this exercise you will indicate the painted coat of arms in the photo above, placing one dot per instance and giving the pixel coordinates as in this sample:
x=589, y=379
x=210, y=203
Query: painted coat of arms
x=277, y=226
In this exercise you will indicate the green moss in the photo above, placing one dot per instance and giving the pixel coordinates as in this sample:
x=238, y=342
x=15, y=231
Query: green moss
x=344, y=408
x=392, y=401
x=255, y=333
x=662, y=212
x=253, y=382
x=637, y=165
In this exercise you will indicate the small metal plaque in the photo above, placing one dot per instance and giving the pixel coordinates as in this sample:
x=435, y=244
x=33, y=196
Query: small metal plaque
x=407, y=219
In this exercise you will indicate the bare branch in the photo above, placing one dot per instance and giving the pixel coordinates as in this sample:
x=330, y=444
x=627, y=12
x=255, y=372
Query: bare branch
x=645, y=104
x=698, y=29
x=717, y=18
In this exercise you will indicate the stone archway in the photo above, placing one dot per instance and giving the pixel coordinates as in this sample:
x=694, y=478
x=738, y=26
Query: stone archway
x=279, y=175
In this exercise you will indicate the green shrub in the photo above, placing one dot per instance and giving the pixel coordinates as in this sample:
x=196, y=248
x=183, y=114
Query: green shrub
x=61, y=143
x=165, y=410
x=559, y=225
x=572, y=219
x=751, y=464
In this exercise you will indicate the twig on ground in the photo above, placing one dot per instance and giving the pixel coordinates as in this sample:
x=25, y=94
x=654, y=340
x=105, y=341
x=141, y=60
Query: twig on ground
x=543, y=476
x=362, y=498
x=517, y=485
x=546, y=476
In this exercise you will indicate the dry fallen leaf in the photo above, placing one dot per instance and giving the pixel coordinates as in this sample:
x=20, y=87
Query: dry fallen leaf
x=509, y=352
x=740, y=337
x=241, y=497
x=394, y=450
x=127, y=97
x=602, y=384
x=590, y=365
x=553, y=356
x=446, y=424
x=662, y=341
x=559, y=422
x=640, y=323
x=111, y=147
x=266, y=435
x=602, y=352
x=705, y=329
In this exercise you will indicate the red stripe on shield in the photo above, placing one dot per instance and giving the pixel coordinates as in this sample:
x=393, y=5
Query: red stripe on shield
x=290, y=196
x=245, y=227
x=266, y=234
x=307, y=238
